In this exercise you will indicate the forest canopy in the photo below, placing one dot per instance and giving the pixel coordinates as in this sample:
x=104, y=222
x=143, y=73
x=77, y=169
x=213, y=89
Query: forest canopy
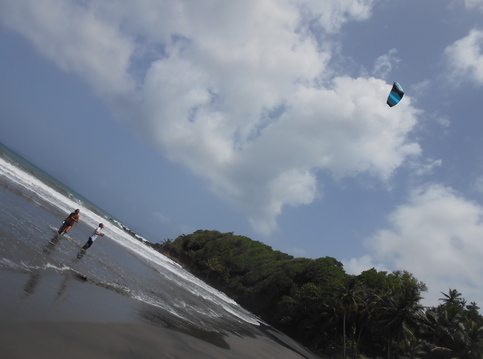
x=376, y=313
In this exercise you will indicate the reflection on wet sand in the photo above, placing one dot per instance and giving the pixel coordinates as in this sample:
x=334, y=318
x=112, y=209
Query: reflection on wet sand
x=32, y=283
x=40, y=264
x=153, y=315
x=54, y=241
x=163, y=319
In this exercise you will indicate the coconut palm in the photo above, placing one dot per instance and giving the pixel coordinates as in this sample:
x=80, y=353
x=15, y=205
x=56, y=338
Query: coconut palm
x=470, y=338
x=348, y=297
x=453, y=298
x=401, y=315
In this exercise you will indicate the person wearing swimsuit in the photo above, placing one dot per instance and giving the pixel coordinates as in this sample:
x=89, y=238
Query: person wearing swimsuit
x=74, y=217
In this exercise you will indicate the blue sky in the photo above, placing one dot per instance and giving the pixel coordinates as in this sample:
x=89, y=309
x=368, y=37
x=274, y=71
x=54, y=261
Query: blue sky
x=263, y=118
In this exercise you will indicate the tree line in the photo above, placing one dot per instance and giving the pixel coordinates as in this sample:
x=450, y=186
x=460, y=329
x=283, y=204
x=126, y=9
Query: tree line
x=376, y=314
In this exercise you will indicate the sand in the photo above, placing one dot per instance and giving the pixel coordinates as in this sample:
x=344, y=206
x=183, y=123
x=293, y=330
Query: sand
x=49, y=317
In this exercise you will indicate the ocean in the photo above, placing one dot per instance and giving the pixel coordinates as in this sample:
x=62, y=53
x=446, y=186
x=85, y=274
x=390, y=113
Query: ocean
x=119, y=299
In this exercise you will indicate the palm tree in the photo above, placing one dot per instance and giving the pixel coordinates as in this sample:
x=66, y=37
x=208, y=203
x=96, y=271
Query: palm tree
x=367, y=314
x=453, y=298
x=455, y=334
x=348, y=297
x=445, y=324
x=470, y=336
x=401, y=315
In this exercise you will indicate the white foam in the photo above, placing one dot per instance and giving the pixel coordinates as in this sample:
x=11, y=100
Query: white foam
x=161, y=263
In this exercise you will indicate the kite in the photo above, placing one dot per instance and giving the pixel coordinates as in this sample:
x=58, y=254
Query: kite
x=395, y=95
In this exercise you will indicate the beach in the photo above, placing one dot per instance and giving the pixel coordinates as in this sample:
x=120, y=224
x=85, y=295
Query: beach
x=123, y=340
x=72, y=318
x=118, y=299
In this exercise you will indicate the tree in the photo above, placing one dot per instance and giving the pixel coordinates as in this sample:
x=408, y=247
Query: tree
x=315, y=301
x=453, y=298
x=456, y=328
x=401, y=315
x=471, y=337
x=213, y=265
x=348, y=297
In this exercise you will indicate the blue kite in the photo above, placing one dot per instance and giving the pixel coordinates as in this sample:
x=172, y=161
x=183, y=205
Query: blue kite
x=395, y=95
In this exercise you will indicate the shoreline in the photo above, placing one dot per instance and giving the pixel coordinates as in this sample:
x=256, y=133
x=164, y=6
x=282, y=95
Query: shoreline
x=65, y=316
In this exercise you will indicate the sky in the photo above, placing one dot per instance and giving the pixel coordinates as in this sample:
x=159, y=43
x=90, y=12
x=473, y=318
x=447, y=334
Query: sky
x=266, y=118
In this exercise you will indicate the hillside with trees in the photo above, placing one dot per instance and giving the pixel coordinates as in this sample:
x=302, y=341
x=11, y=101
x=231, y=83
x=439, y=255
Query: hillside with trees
x=372, y=315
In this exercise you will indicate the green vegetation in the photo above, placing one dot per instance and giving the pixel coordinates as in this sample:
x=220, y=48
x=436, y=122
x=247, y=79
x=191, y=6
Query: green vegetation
x=334, y=314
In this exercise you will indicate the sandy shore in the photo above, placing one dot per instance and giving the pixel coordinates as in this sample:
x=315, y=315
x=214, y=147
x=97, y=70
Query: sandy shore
x=52, y=316
x=43, y=339
x=117, y=300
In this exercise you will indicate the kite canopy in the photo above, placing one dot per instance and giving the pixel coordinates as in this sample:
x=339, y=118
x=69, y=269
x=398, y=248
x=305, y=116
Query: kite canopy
x=395, y=95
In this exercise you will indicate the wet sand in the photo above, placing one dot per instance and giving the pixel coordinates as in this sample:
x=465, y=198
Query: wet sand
x=123, y=340
x=54, y=316
x=117, y=300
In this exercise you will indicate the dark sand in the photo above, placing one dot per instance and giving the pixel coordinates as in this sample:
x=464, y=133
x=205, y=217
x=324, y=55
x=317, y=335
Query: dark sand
x=54, y=316
x=123, y=340
x=57, y=301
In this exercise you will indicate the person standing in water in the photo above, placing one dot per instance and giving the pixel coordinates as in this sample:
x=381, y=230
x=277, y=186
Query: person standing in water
x=93, y=236
x=74, y=217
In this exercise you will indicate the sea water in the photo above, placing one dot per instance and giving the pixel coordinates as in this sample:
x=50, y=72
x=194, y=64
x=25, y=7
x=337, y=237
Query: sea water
x=46, y=278
x=33, y=205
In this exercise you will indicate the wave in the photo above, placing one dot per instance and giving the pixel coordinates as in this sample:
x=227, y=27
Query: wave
x=115, y=276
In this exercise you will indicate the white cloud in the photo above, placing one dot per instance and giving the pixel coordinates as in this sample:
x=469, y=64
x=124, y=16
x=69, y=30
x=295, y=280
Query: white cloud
x=471, y=4
x=437, y=237
x=77, y=39
x=425, y=167
x=332, y=14
x=359, y=265
x=297, y=252
x=384, y=64
x=465, y=58
x=291, y=187
x=239, y=92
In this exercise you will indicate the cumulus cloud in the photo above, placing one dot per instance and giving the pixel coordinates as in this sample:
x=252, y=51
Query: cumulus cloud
x=76, y=38
x=465, y=58
x=436, y=236
x=359, y=265
x=472, y=4
x=240, y=92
